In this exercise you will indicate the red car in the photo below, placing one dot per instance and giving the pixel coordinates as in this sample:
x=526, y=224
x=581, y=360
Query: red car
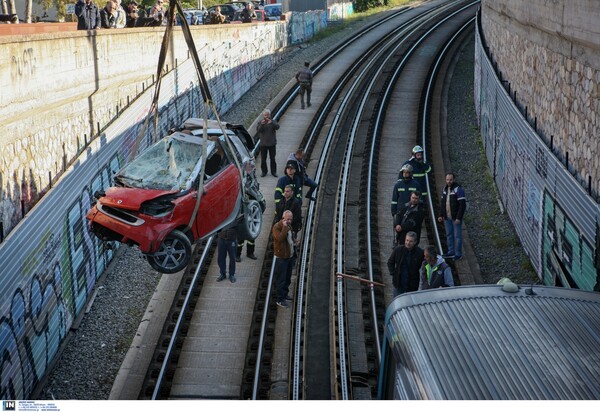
x=154, y=198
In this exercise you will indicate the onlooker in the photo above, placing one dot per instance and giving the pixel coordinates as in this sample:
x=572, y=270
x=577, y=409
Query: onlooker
x=250, y=245
x=291, y=203
x=420, y=169
x=157, y=13
x=120, y=17
x=88, y=15
x=248, y=14
x=452, y=209
x=9, y=18
x=404, y=265
x=284, y=250
x=216, y=17
x=409, y=218
x=132, y=14
x=267, y=133
x=434, y=272
x=107, y=17
x=226, y=245
x=290, y=178
x=298, y=158
x=305, y=78
x=403, y=189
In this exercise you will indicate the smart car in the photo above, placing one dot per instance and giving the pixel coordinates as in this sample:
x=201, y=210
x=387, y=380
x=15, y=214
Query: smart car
x=153, y=203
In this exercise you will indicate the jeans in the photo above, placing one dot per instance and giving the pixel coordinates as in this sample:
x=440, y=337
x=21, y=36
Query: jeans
x=454, y=237
x=224, y=248
x=283, y=276
x=263, y=159
x=312, y=184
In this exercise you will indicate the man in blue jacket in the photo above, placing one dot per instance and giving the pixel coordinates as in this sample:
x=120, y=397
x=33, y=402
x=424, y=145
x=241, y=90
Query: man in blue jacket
x=88, y=15
x=452, y=209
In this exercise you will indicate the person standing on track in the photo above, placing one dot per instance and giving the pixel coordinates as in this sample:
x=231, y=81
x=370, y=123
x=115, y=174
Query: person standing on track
x=304, y=77
x=420, y=169
x=284, y=250
x=298, y=159
x=452, y=209
x=434, y=272
x=404, y=264
x=403, y=188
x=409, y=218
x=291, y=203
x=290, y=178
x=226, y=245
x=267, y=133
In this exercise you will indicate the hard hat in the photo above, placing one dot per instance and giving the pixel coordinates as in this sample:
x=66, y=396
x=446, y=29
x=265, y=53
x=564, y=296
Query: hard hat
x=407, y=168
x=417, y=149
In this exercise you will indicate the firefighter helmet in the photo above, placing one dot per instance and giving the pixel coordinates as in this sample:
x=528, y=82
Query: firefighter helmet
x=417, y=149
x=407, y=168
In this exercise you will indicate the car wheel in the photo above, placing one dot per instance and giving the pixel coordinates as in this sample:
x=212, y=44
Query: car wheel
x=173, y=254
x=250, y=227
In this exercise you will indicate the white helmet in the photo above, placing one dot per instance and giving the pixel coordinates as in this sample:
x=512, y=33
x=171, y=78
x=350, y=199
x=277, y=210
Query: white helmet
x=417, y=149
x=406, y=167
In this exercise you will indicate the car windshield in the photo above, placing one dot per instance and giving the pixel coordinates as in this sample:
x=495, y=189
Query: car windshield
x=171, y=164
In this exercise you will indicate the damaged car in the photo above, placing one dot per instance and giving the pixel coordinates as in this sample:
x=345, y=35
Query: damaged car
x=154, y=201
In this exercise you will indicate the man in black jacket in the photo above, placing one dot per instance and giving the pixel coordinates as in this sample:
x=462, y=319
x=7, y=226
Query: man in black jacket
x=291, y=203
x=409, y=218
x=404, y=265
x=247, y=15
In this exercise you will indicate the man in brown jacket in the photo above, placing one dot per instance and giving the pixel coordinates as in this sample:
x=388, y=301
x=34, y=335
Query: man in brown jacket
x=285, y=255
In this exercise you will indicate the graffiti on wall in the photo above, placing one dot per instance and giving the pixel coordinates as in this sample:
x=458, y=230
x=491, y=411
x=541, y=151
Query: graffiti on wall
x=59, y=274
x=44, y=294
x=23, y=65
x=567, y=257
x=561, y=237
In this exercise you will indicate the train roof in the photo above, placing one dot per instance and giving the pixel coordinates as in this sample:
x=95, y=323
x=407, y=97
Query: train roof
x=481, y=342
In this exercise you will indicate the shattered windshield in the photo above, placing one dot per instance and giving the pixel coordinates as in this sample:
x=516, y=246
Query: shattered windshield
x=171, y=164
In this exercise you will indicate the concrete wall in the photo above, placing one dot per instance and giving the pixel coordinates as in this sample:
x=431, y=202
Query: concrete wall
x=549, y=52
x=59, y=103
x=60, y=90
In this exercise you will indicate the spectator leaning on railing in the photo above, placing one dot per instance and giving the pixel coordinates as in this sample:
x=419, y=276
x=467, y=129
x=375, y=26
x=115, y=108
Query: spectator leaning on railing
x=248, y=14
x=119, y=13
x=107, y=16
x=132, y=14
x=9, y=19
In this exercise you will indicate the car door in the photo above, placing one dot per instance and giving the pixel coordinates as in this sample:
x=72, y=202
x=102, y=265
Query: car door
x=220, y=203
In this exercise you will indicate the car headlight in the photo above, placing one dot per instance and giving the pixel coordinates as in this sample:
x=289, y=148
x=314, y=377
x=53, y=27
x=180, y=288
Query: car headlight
x=158, y=207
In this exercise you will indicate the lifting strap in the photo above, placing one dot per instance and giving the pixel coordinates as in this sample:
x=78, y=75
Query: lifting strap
x=174, y=5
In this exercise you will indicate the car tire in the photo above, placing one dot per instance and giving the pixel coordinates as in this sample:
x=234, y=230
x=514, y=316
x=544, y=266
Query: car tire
x=251, y=224
x=173, y=255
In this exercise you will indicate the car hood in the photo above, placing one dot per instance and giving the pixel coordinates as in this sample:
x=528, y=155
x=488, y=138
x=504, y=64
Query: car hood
x=130, y=198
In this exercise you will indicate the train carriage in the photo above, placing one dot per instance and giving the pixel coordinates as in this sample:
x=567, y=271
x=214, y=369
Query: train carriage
x=492, y=342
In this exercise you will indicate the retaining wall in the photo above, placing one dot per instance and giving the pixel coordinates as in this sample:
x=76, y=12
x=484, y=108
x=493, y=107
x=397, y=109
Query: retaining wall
x=556, y=219
x=549, y=54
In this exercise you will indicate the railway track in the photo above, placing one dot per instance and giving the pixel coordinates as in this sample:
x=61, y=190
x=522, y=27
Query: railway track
x=356, y=138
